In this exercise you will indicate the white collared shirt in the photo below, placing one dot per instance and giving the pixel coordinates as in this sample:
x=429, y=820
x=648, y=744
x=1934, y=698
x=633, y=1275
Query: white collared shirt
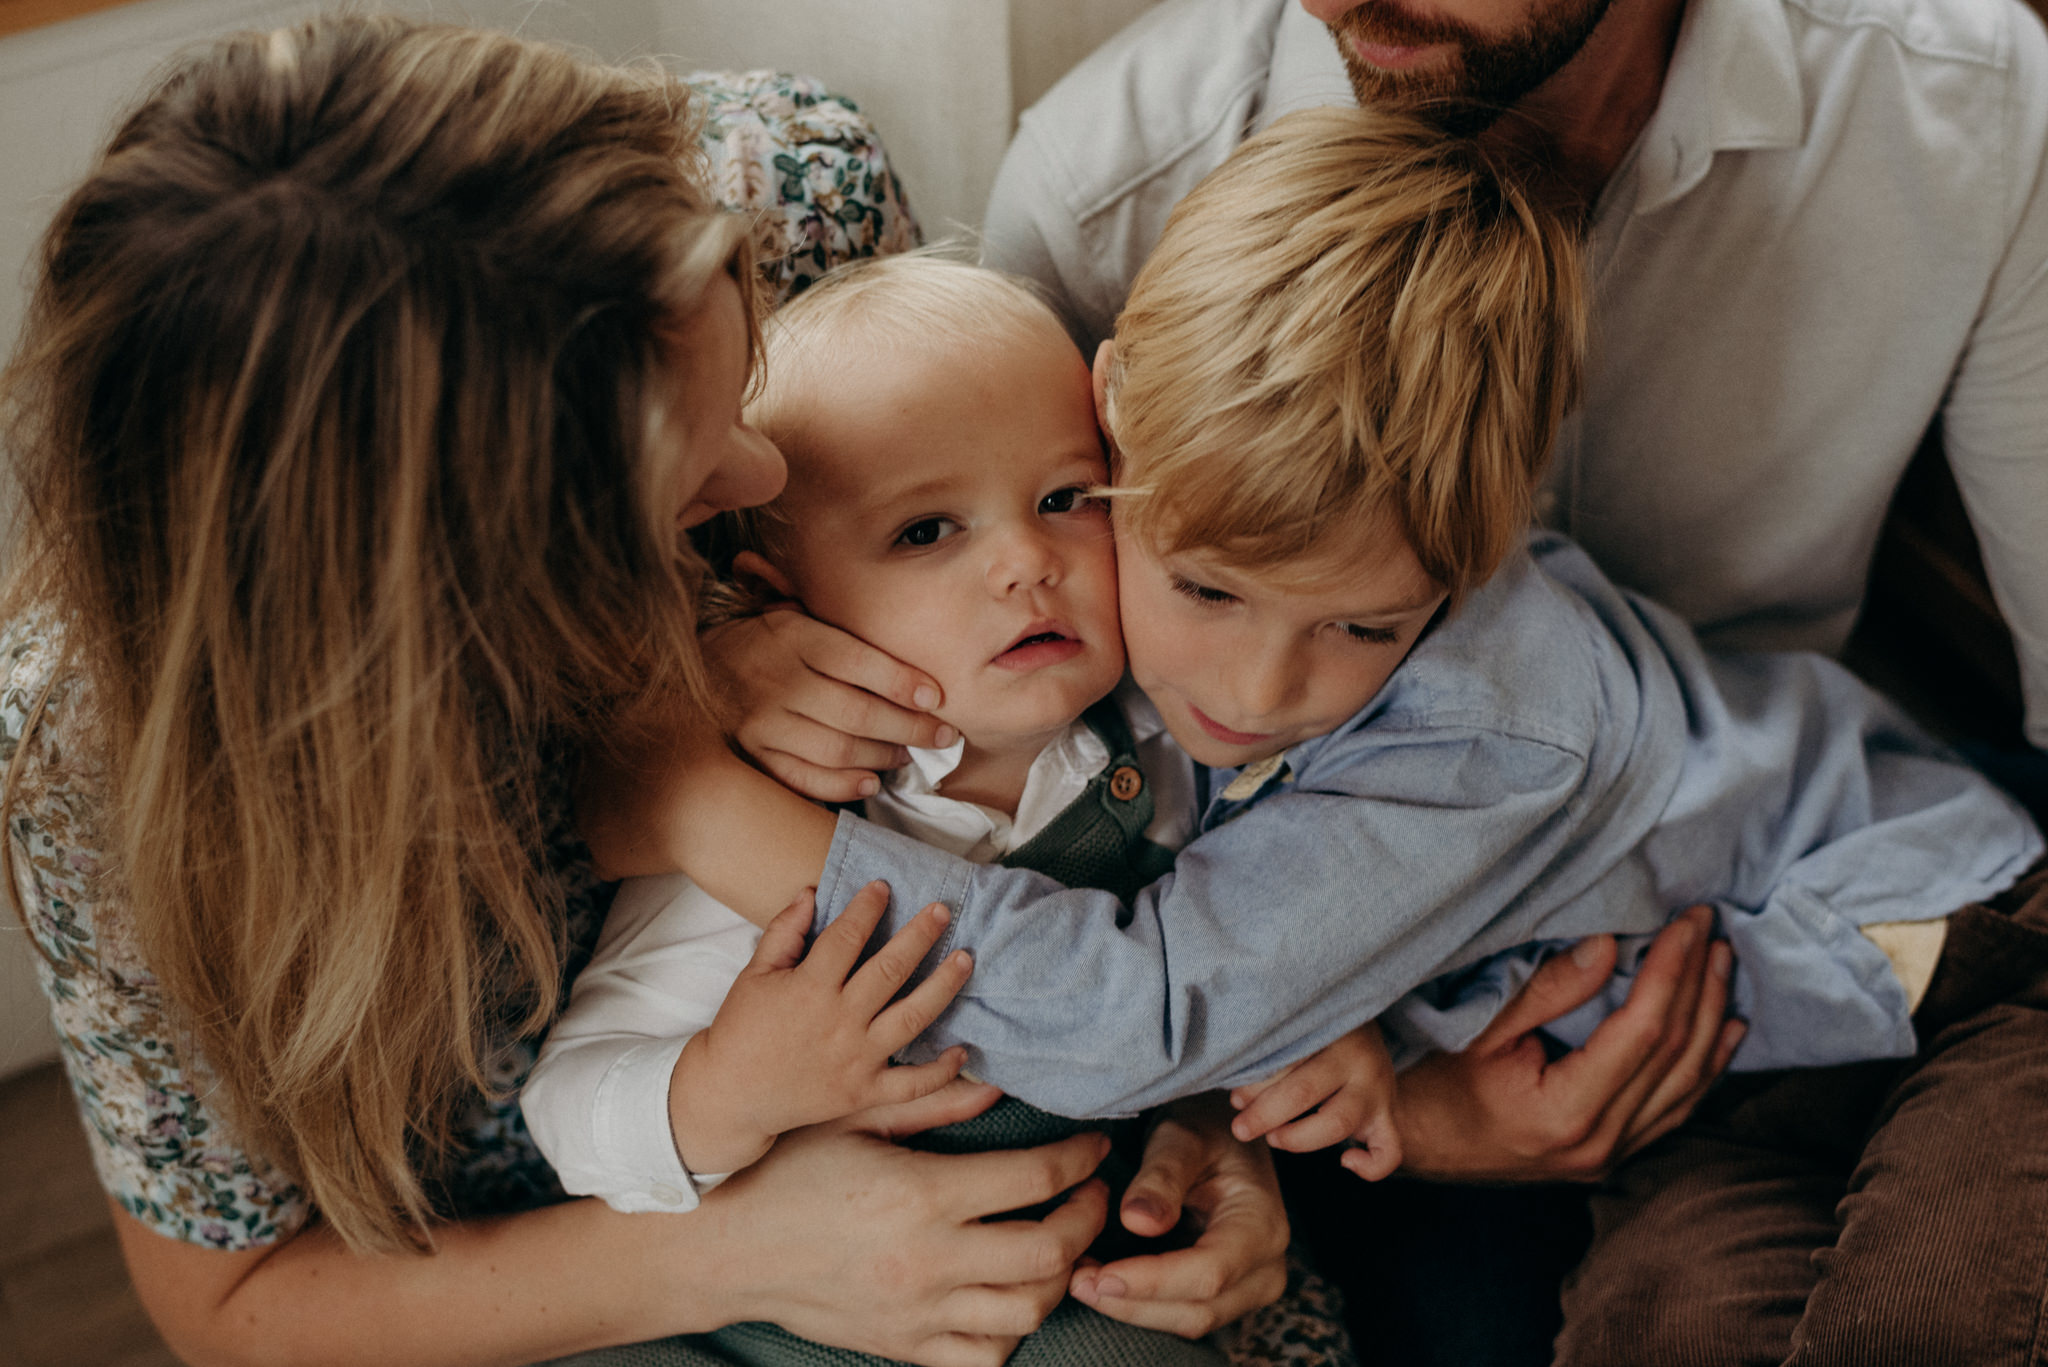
x=597, y=1100
x=1834, y=226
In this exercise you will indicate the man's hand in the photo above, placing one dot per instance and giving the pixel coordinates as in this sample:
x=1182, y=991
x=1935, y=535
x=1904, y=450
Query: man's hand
x=1239, y=1262
x=819, y=709
x=806, y=1038
x=1345, y=1090
x=1503, y=1111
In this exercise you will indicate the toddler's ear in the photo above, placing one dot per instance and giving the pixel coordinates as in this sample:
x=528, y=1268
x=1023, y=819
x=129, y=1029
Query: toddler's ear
x=753, y=569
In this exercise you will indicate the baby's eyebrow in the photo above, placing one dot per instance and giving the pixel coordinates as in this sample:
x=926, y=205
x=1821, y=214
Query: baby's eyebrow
x=880, y=497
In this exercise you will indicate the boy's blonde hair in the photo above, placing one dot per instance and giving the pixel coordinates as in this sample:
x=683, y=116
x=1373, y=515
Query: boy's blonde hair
x=1356, y=316
x=921, y=298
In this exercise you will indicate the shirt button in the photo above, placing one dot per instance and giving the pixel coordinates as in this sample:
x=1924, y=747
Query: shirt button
x=667, y=1195
x=1125, y=783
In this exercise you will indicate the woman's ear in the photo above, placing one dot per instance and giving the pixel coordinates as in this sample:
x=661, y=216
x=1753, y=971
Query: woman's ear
x=752, y=568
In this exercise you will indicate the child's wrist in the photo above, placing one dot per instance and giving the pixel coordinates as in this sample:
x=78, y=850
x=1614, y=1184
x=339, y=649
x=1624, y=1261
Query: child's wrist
x=707, y=1118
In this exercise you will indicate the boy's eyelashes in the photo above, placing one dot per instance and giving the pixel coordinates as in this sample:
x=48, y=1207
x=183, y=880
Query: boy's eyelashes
x=1202, y=593
x=931, y=530
x=927, y=531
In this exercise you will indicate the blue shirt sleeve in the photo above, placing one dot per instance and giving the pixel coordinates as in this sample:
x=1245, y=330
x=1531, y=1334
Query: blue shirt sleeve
x=1293, y=921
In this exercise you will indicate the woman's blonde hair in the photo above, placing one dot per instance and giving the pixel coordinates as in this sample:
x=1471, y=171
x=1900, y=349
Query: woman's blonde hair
x=343, y=421
x=1355, y=316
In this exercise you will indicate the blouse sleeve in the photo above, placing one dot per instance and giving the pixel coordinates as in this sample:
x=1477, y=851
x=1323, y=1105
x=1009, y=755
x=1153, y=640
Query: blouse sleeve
x=163, y=1152
x=810, y=166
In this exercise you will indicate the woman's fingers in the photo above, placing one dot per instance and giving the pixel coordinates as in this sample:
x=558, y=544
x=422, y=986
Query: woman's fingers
x=1038, y=1253
x=1011, y=1179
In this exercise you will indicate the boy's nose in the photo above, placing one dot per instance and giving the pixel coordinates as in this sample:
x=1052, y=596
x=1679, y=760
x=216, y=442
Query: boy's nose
x=1022, y=559
x=1262, y=683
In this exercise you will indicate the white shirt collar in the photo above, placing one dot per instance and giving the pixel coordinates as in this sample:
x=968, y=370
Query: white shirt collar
x=912, y=800
x=1733, y=86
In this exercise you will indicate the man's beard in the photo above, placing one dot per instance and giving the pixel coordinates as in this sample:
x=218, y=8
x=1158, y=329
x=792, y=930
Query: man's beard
x=1485, y=75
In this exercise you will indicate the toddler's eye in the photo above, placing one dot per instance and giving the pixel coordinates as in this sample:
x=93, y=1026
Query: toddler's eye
x=1372, y=636
x=1071, y=499
x=927, y=531
x=1201, y=593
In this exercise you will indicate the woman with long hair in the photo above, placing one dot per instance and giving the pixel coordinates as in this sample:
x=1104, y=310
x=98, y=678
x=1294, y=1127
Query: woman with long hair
x=368, y=381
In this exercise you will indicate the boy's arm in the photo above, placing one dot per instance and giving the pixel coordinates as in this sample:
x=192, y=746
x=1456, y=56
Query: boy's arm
x=687, y=1048
x=1278, y=930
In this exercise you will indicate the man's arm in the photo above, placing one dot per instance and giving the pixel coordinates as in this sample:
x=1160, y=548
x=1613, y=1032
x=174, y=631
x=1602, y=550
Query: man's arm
x=1995, y=421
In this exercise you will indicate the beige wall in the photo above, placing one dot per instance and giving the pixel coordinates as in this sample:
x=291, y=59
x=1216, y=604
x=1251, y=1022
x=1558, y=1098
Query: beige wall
x=942, y=79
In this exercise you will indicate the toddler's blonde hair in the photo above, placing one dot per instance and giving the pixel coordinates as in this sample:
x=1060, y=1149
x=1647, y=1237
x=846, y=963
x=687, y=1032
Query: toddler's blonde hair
x=1354, y=317
x=919, y=298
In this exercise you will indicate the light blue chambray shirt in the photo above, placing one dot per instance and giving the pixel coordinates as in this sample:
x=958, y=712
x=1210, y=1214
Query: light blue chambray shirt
x=1559, y=758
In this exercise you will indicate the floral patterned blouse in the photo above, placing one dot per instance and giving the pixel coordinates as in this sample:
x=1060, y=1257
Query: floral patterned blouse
x=808, y=164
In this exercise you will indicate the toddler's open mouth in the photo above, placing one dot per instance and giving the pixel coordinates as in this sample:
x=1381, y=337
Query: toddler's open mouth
x=1044, y=644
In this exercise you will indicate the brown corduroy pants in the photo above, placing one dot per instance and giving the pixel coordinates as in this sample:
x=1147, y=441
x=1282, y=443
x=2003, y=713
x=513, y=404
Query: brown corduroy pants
x=1868, y=1215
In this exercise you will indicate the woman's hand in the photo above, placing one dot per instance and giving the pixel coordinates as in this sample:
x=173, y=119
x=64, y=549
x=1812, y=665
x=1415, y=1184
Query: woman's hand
x=820, y=709
x=1239, y=1262
x=1503, y=1111
x=847, y=1238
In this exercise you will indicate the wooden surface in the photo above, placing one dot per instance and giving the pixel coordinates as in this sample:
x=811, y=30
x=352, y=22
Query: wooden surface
x=64, y=1294
x=16, y=15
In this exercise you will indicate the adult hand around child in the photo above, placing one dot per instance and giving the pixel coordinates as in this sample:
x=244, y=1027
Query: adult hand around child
x=818, y=708
x=1504, y=1111
x=1193, y=1165
x=888, y=1252
x=837, y=1234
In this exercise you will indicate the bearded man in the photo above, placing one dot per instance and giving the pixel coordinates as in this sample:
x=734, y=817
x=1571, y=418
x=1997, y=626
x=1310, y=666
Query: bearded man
x=1815, y=227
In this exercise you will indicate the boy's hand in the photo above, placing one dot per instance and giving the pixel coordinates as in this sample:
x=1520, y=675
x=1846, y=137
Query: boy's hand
x=819, y=709
x=798, y=1041
x=1343, y=1091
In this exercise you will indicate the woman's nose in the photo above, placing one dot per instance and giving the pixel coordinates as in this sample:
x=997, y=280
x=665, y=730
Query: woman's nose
x=752, y=473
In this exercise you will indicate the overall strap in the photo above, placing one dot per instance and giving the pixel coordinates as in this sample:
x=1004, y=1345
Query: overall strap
x=1098, y=840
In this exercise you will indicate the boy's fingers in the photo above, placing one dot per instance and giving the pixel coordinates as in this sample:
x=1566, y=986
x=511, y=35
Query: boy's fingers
x=1293, y=1095
x=839, y=945
x=1315, y=1131
x=1379, y=1157
x=888, y=968
x=899, y=1086
x=782, y=943
x=908, y=1019
x=1561, y=984
x=958, y=1100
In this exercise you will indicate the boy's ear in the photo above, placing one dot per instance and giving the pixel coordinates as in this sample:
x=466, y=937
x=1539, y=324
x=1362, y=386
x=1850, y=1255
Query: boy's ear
x=1105, y=357
x=751, y=568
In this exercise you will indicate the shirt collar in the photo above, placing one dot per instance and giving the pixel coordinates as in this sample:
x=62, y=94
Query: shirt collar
x=1733, y=86
x=1307, y=69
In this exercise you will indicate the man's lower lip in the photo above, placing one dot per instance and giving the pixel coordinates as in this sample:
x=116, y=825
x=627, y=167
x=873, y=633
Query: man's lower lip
x=1223, y=733
x=1038, y=655
x=1390, y=56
